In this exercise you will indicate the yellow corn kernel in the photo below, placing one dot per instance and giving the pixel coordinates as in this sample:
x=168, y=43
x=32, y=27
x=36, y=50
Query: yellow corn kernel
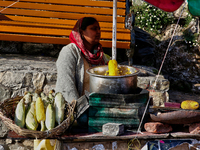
x=189, y=104
x=113, y=68
x=40, y=112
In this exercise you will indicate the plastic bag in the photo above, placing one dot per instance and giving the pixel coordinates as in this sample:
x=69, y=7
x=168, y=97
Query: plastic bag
x=144, y=48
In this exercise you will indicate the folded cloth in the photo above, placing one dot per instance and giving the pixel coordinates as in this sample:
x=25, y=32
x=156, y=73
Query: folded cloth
x=82, y=104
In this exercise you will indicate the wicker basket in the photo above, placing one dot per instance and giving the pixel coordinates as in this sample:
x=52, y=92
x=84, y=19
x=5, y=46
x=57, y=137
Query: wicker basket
x=7, y=111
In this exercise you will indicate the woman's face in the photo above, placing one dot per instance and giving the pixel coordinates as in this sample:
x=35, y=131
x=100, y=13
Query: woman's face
x=92, y=33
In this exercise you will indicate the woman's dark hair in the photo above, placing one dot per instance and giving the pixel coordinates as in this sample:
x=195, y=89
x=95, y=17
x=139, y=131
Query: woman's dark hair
x=87, y=21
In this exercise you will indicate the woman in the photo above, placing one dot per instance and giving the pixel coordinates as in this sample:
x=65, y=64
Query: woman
x=74, y=59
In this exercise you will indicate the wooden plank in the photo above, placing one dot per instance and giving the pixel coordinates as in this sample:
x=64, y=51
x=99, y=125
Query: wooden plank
x=55, y=40
x=54, y=21
x=82, y=138
x=37, y=25
x=54, y=32
x=184, y=135
x=59, y=26
x=34, y=30
x=38, y=20
x=34, y=39
x=62, y=15
x=120, y=36
x=78, y=3
x=63, y=8
x=120, y=44
x=46, y=24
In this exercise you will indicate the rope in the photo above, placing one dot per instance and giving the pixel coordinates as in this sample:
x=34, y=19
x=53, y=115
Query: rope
x=169, y=45
x=138, y=131
x=136, y=146
x=131, y=143
x=143, y=117
x=9, y=5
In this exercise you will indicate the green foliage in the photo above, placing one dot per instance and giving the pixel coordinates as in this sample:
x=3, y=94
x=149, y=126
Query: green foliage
x=155, y=71
x=151, y=19
x=190, y=38
x=188, y=19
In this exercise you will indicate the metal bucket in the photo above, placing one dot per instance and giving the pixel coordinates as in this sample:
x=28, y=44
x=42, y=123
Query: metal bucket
x=123, y=84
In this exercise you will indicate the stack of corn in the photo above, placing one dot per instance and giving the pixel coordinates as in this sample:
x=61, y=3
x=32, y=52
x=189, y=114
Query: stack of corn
x=36, y=109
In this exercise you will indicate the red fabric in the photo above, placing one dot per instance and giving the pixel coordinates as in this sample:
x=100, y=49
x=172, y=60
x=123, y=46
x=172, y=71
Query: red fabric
x=75, y=37
x=166, y=5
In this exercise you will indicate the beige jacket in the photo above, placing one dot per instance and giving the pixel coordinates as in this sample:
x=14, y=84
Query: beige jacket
x=71, y=72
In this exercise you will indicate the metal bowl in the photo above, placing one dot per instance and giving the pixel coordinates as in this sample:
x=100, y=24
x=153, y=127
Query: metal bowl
x=123, y=84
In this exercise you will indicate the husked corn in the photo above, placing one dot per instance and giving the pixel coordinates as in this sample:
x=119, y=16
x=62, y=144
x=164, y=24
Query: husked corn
x=40, y=113
x=113, y=68
x=31, y=121
x=20, y=114
x=59, y=104
x=50, y=117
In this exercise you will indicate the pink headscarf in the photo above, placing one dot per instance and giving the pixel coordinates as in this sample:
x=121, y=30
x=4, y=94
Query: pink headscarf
x=75, y=37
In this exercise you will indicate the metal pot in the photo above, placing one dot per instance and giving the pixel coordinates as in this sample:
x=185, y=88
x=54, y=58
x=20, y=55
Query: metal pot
x=123, y=84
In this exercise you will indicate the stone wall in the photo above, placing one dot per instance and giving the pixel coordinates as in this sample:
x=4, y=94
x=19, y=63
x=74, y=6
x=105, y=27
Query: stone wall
x=20, y=73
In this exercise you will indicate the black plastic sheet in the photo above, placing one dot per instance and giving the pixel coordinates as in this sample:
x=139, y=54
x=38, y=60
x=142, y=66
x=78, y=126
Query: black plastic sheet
x=144, y=48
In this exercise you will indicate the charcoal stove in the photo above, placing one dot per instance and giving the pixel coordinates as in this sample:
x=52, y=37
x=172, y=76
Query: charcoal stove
x=115, y=99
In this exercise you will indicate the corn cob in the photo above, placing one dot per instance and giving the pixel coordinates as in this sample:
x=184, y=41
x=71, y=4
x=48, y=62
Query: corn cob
x=34, y=96
x=40, y=113
x=50, y=117
x=51, y=95
x=113, y=68
x=59, y=104
x=27, y=98
x=36, y=143
x=44, y=144
x=189, y=104
x=44, y=99
x=20, y=114
x=31, y=121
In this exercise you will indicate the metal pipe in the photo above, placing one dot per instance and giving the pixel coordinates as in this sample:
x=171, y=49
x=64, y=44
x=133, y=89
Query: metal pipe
x=114, y=32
